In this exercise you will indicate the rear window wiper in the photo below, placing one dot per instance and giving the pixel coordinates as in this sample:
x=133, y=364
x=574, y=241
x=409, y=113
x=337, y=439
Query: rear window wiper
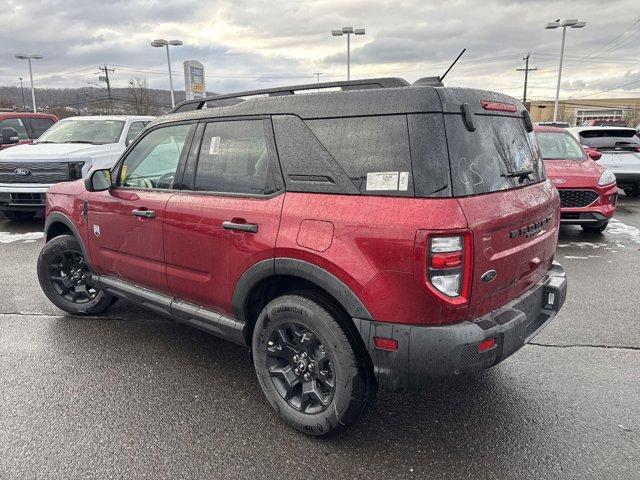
x=521, y=175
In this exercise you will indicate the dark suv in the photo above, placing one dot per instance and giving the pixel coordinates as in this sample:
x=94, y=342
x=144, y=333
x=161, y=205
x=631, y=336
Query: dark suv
x=382, y=235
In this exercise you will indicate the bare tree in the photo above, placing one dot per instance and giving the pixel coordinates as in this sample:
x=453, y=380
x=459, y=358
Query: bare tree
x=140, y=99
x=632, y=117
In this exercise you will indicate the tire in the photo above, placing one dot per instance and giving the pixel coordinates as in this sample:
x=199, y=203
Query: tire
x=18, y=215
x=310, y=324
x=592, y=229
x=64, y=275
x=632, y=192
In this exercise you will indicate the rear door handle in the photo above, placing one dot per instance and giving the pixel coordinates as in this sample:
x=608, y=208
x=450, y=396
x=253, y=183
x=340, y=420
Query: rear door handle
x=241, y=226
x=143, y=213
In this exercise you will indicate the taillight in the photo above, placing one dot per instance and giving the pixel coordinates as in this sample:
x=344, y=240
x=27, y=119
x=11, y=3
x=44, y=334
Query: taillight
x=448, y=268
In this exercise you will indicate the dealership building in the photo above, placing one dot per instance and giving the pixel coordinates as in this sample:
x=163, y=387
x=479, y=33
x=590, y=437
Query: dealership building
x=578, y=111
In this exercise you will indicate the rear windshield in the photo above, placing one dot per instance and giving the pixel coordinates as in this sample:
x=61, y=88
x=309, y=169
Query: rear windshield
x=559, y=146
x=499, y=155
x=610, y=138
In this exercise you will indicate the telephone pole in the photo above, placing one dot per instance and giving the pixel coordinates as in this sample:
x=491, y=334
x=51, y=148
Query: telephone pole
x=526, y=71
x=105, y=78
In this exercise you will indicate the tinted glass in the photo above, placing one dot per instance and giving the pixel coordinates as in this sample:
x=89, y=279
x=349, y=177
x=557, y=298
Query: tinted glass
x=234, y=158
x=134, y=129
x=39, y=125
x=489, y=158
x=373, y=151
x=17, y=125
x=557, y=145
x=153, y=162
x=610, y=138
x=97, y=132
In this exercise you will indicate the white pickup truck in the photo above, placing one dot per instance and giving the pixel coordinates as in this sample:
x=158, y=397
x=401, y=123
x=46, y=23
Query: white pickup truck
x=66, y=151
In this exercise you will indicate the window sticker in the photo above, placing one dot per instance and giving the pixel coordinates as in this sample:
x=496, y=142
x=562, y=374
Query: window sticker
x=404, y=181
x=214, y=147
x=382, y=181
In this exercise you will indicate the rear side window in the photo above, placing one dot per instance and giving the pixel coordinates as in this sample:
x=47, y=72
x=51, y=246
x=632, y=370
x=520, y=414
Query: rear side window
x=17, y=125
x=373, y=151
x=491, y=158
x=610, y=138
x=39, y=125
x=134, y=129
x=234, y=158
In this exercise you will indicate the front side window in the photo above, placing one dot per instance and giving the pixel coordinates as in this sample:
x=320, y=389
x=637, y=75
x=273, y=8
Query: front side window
x=153, y=162
x=559, y=146
x=40, y=125
x=234, y=158
x=17, y=125
x=95, y=132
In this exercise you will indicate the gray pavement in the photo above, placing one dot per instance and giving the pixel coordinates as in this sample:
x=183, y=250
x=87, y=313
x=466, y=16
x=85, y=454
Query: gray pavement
x=131, y=395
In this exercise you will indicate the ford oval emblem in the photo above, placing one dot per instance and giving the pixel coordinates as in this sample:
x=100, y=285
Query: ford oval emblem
x=559, y=180
x=489, y=276
x=22, y=172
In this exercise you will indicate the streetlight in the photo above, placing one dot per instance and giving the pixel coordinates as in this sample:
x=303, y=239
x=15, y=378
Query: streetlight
x=24, y=56
x=164, y=43
x=552, y=26
x=348, y=31
x=24, y=104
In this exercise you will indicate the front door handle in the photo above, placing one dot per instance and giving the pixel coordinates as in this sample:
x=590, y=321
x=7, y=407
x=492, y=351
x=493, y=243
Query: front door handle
x=241, y=226
x=143, y=213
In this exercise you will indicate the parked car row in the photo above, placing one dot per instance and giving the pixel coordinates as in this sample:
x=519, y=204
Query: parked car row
x=380, y=235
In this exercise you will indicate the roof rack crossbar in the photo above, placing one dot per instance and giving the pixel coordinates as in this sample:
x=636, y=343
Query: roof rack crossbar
x=390, y=82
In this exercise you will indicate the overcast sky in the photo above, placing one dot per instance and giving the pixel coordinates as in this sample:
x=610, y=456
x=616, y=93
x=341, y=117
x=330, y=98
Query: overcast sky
x=246, y=44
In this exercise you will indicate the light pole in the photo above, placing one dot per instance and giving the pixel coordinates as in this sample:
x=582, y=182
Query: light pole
x=164, y=43
x=24, y=104
x=348, y=31
x=551, y=26
x=23, y=56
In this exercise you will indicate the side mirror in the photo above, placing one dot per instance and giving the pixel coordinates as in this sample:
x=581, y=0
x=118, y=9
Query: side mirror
x=594, y=154
x=9, y=136
x=98, y=181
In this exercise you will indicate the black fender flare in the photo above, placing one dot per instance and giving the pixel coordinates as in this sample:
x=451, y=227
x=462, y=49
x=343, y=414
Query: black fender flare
x=296, y=268
x=57, y=217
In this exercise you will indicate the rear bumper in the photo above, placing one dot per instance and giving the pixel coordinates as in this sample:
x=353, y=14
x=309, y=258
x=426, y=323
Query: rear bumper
x=427, y=352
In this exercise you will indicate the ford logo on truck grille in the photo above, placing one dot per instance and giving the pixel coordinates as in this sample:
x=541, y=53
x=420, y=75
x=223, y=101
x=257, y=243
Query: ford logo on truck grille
x=22, y=172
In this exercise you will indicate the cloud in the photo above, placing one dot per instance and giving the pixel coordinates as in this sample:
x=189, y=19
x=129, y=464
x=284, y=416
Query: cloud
x=248, y=44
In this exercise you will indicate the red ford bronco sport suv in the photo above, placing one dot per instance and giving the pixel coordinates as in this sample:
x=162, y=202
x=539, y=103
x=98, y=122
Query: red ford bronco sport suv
x=588, y=192
x=379, y=234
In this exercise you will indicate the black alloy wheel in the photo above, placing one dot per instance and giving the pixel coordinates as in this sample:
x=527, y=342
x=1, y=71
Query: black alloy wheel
x=66, y=279
x=71, y=277
x=300, y=368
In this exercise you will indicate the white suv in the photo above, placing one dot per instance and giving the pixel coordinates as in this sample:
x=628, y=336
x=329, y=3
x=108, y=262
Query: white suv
x=66, y=151
x=620, y=149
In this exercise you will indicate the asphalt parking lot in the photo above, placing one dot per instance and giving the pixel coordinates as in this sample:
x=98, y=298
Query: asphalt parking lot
x=131, y=395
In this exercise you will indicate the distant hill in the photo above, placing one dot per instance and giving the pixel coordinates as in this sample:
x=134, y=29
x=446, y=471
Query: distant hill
x=86, y=100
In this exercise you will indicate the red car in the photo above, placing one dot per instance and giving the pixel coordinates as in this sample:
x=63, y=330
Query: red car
x=588, y=192
x=17, y=128
x=378, y=236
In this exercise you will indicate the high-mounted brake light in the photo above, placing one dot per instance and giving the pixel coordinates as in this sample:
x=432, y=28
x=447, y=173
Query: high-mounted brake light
x=446, y=267
x=498, y=106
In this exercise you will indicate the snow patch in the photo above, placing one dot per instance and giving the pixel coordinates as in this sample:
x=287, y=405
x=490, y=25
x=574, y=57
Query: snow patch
x=7, y=237
x=616, y=227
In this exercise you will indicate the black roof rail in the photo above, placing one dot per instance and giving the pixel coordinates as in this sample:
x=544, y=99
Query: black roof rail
x=390, y=82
